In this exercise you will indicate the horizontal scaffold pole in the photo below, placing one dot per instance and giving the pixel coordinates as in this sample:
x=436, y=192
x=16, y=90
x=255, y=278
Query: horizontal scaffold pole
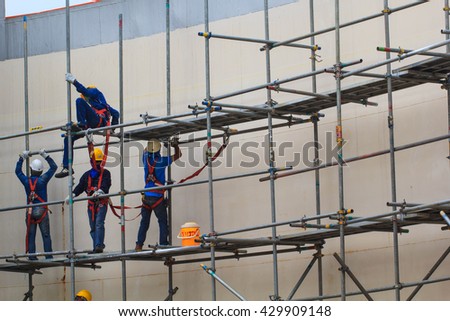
x=273, y=83
x=32, y=131
x=354, y=22
x=263, y=226
x=267, y=42
x=402, y=51
x=165, y=187
x=357, y=158
x=382, y=289
x=399, y=58
x=399, y=212
x=345, y=99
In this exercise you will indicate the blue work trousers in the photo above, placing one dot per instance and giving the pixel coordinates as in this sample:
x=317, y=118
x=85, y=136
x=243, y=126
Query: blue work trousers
x=97, y=224
x=161, y=215
x=44, y=226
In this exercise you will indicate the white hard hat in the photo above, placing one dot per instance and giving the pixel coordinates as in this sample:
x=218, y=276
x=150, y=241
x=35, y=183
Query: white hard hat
x=153, y=145
x=37, y=166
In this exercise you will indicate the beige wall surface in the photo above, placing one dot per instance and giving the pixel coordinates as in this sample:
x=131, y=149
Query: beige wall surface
x=422, y=173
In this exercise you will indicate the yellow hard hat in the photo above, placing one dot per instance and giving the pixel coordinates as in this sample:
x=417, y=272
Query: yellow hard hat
x=153, y=145
x=97, y=154
x=83, y=295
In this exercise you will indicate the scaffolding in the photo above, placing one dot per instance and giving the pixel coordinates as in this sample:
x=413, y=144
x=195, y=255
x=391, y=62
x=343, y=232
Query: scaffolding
x=214, y=114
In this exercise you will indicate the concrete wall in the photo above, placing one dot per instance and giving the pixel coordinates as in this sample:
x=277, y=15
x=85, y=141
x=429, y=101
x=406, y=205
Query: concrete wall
x=422, y=173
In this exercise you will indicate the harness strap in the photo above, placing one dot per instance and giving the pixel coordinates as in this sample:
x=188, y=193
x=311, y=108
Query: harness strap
x=93, y=204
x=30, y=220
x=152, y=177
x=203, y=167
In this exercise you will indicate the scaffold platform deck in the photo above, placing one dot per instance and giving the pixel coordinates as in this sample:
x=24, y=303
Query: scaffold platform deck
x=432, y=70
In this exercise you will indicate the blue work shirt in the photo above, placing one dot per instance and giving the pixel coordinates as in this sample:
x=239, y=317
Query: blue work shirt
x=97, y=100
x=160, y=163
x=42, y=180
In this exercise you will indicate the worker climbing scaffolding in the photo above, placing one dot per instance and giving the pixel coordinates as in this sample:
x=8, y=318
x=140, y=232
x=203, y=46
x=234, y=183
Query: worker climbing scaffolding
x=92, y=112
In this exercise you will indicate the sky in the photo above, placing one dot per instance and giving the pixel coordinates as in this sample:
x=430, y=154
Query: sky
x=21, y=7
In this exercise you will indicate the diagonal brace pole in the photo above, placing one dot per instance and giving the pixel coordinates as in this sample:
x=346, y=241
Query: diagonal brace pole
x=346, y=269
x=302, y=278
x=432, y=270
x=229, y=288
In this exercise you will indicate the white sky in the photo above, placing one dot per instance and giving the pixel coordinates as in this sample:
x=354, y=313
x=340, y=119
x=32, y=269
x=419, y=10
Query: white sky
x=21, y=7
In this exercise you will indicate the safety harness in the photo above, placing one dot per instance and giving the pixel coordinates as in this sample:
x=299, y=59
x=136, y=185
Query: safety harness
x=93, y=205
x=31, y=197
x=152, y=177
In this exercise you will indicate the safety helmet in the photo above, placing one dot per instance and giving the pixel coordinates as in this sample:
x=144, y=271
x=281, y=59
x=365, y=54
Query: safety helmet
x=153, y=145
x=37, y=166
x=83, y=295
x=97, y=154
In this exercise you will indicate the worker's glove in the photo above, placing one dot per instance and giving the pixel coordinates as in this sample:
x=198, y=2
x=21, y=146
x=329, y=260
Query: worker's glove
x=25, y=154
x=175, y=141
x=70, y=78
x=43, y=153
x=98, y=193
x=67, y=199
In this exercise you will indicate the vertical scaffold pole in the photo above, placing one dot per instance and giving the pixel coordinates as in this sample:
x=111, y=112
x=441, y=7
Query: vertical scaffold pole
x=271, y=156
x=122, y=169
x=25, y=86
x=447, y=36
x=209, y=151
x=70, y=156
x=169, y=171
x=386, y=12
x=340, y=139
x=316, y=143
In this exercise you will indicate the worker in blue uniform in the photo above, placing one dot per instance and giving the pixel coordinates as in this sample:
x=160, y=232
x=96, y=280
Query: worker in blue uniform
x=95, y=182
x=92, y=112
x=36, y=189
x=155, y=176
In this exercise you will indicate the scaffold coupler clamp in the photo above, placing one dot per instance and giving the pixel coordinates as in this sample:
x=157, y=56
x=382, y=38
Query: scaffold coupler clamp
x=274, y=87
x=343, y=216
x=387, y=10
x=314, y=54
x=144, y=118
x=226, y=138
x=274, y=297
x=169, y=261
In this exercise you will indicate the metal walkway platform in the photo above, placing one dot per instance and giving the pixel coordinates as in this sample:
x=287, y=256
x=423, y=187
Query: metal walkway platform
x=432, y=70
x=229, y=248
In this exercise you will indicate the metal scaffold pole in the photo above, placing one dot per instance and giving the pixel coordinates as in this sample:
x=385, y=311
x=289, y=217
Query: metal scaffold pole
x=386, y=12
x=340, y=139
x=315, y=120
x=70, y=156
x=447, y=50
x=122, y=169
x=271, y=155
x=209, y=153
x=169, y=170
x=25, y=79
x=27, y=122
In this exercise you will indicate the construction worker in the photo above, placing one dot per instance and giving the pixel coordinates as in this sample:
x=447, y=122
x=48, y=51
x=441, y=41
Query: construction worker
x=95, y=182
x=83, y=295
x=36, y=190
x=155, y=175
x=92, y=112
